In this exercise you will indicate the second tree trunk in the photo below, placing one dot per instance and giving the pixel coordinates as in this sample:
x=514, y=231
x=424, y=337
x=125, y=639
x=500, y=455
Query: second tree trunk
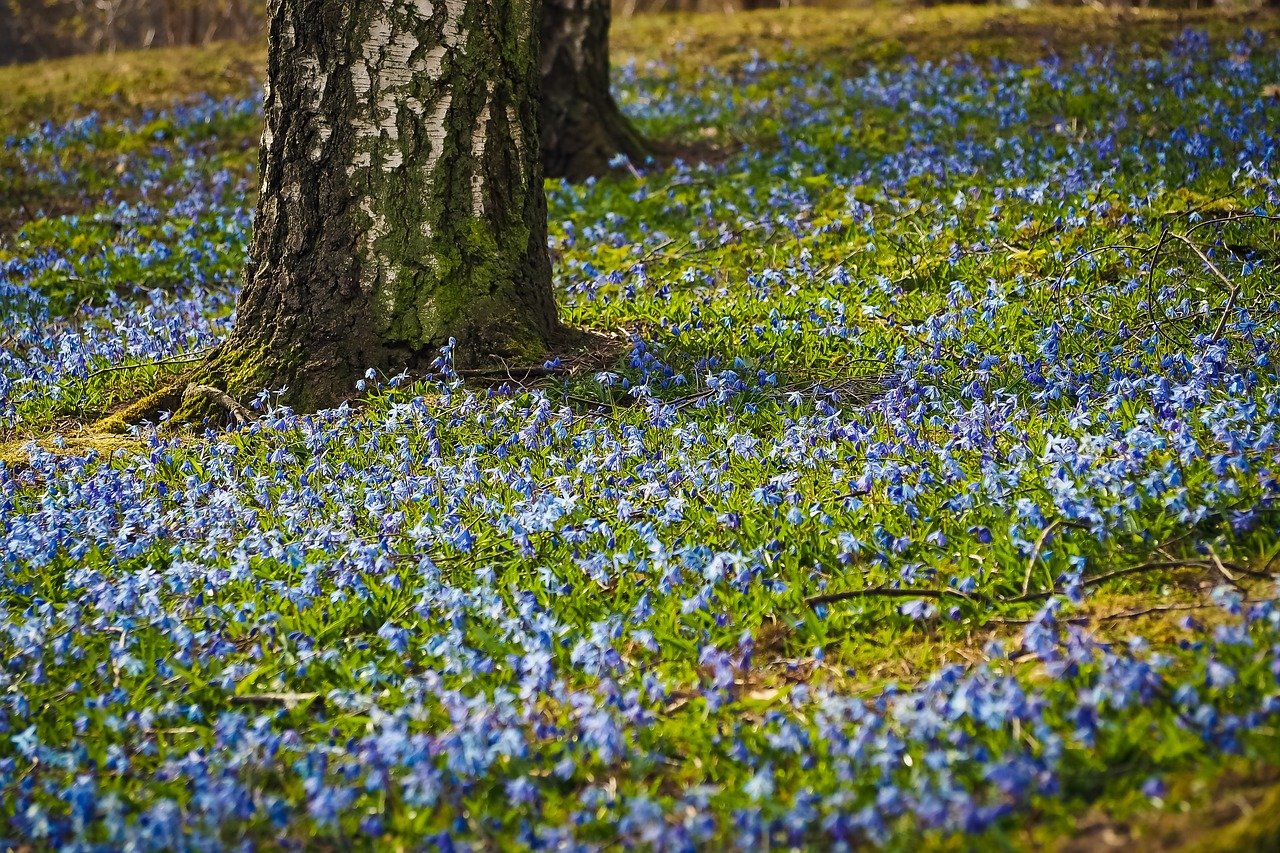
x=582, y=127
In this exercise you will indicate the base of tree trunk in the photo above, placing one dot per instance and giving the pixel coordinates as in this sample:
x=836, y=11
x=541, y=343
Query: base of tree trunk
x=582, y=127
x=218, y=393
x=310, y=376
x=589, y=141
x=402, y=203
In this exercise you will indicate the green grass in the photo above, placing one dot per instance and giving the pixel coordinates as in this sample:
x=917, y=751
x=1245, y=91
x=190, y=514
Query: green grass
x=703, y=305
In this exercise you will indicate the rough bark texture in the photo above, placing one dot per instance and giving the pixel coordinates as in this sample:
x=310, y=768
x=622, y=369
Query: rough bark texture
x=401, y=196
x=582, y=127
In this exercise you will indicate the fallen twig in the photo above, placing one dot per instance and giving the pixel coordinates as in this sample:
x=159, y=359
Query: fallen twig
x=189, y=358
x=515, y=374
x=1149, y=566
x=288, y=700
x=1222, y=570
x=1155, y=608
x=1121, y=614
x=1040, y=540
x=1234, y=216
x=1151, y=280
x=1233, y=288
x=1084, y=619
x=887, y=592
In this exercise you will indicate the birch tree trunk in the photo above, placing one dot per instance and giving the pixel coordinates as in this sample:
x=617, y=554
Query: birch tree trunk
x=401, y=199
x=582, y=127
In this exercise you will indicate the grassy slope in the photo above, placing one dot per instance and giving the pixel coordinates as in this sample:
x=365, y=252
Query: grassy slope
x=128, y=83
x=132, y=81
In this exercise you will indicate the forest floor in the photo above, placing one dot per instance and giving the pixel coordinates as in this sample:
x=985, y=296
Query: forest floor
x=933, y=503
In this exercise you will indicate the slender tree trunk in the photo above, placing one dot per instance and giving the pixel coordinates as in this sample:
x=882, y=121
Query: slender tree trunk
x=582, y=127
x=193, y=28
x=401, y=197
x=170, y=23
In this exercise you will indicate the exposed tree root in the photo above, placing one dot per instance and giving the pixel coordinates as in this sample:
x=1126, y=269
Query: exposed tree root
x=213, y=393
x=222, y=398
x=146, y=408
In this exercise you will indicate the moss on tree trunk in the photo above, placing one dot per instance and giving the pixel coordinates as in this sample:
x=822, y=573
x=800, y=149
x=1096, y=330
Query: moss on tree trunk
x=401, y=199
x=582, y=127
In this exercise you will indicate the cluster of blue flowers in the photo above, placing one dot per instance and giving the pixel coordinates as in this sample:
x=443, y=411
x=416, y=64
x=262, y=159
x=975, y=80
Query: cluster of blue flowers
x=937, y=398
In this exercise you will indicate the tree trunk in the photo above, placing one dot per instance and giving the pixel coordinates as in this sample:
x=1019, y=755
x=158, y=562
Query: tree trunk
x=170, y=23
x=582, y=127
x=193, y=33
x=401, y=198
